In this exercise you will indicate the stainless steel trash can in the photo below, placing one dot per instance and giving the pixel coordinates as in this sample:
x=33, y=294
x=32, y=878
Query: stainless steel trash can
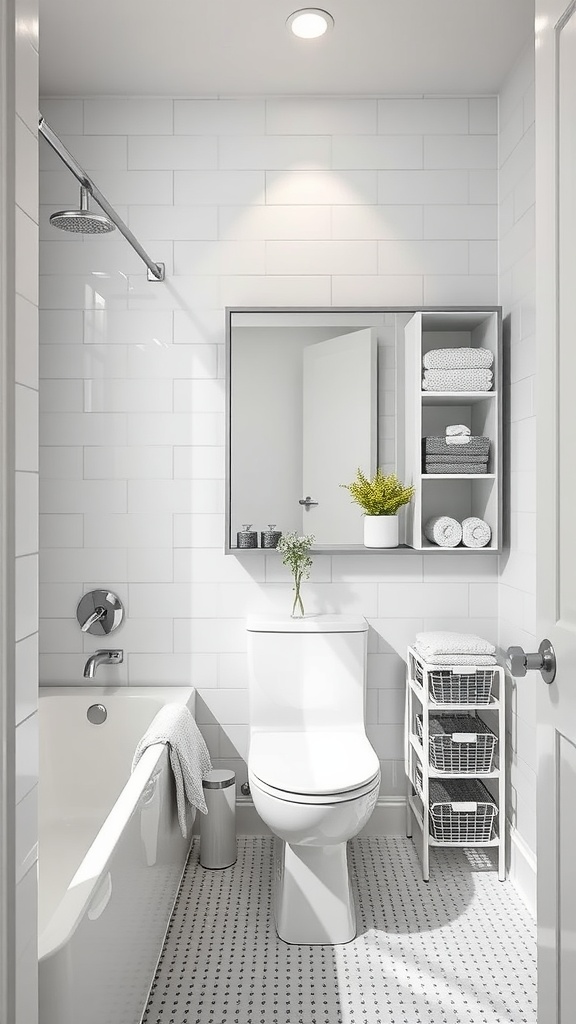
x=218, y=827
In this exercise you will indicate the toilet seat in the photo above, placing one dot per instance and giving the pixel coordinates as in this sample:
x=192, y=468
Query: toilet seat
x=313, y=767
x=312, y=799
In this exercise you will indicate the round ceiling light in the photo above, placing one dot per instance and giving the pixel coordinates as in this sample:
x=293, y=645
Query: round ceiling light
x=310, y=23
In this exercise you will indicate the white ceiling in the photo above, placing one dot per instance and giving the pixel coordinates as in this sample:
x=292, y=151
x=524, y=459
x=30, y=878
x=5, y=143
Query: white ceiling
x=241, y=47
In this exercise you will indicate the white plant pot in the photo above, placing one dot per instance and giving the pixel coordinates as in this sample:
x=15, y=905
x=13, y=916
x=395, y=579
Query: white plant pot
x=381, y=531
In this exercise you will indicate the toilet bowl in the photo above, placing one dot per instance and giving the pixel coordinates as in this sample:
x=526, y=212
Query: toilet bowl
x=314, y=776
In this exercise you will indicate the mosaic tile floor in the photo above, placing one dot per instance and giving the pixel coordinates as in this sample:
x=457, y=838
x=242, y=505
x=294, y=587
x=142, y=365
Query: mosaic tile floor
x=460, y=949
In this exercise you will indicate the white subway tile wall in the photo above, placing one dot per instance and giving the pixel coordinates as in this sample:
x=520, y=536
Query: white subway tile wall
x=25, y=495
x=264, y=202
x=517, y=585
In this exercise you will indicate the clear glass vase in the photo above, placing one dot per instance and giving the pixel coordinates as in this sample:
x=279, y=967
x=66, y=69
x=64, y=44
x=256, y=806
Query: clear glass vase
x=298, y=606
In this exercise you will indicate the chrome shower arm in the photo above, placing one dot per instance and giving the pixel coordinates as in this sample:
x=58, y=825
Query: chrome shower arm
x=156, y=270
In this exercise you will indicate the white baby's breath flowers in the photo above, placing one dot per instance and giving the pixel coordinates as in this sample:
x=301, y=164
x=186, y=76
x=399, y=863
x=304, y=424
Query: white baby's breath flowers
x=296, y=555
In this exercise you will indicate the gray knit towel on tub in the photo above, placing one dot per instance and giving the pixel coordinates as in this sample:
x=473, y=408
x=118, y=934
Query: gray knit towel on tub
x=456, y=467
x=188, y=753
x=457, y=380
x=475, y=533
x=458, y=358
x=439, y=446
x=443, y=531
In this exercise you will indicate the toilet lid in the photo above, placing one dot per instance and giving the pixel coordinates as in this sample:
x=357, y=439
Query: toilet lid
x=319, y=762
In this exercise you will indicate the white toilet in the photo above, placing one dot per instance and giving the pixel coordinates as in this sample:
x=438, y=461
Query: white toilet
x=313, y=774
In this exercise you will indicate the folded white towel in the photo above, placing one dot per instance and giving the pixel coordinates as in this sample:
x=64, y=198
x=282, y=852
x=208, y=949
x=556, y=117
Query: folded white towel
x=189, y=757
x=444, y=531
x=441, y=642
x=457, y=380
x=462, y=661
x=458, y=430
x=476, y=533
x=458, y=358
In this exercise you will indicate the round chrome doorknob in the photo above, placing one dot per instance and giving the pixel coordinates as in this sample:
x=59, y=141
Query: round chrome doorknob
x=543, y=660
x=516, y=661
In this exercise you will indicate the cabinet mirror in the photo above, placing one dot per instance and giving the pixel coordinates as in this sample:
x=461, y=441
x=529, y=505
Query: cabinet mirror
x=311, y=397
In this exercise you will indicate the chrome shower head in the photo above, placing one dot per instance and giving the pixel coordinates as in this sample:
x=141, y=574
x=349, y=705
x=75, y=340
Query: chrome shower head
x=82, y=221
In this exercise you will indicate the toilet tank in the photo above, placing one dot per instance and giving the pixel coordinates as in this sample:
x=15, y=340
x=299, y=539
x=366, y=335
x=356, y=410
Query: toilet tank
x=307, y=673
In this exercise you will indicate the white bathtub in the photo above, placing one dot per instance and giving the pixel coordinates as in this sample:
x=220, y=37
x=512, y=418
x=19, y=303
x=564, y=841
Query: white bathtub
x=111, y=853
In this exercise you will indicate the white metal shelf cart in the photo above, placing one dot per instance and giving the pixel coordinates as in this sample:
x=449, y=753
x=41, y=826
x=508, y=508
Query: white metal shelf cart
x=427, y=697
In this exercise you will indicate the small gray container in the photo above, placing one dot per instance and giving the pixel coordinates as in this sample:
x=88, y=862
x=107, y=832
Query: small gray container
x=269, y=538
x=218, y=827
x=247, y=537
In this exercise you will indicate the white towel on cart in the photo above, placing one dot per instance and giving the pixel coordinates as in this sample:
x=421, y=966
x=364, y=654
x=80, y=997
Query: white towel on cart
x=189, y=757
x=472, y=661
x=443, y=643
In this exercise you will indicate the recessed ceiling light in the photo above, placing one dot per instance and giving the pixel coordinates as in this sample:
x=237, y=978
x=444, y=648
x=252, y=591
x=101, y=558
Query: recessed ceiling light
x=310, y=22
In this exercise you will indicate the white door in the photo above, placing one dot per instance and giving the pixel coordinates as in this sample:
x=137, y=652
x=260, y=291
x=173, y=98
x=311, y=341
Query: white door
x=340, y=433
x=556, y=502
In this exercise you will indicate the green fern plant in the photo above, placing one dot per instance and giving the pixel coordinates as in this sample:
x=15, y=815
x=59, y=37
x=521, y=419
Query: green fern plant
x=380, y=496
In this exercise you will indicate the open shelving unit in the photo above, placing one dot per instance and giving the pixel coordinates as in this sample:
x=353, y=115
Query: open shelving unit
x=428, y=413
x=420, y=702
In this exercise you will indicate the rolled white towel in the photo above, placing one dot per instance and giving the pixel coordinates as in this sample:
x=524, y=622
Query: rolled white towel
x=443, y=531
x=458, y=430
x=475, y=532
x=445, y=642
x=458, y=358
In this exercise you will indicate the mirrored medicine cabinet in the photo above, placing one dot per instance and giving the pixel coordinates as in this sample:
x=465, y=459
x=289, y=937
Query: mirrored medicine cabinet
x=314, y=394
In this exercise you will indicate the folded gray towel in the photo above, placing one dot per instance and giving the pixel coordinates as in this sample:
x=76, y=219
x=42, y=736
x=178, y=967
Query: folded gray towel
x=444, y=531
x=458, y=358
x=457, y=380
x=456, y=467
x=457, y=457
x=439, y=446
x=460, y=791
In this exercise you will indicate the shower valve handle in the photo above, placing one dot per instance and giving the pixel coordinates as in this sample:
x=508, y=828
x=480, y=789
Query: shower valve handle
x=96, y=616
x=99, y=612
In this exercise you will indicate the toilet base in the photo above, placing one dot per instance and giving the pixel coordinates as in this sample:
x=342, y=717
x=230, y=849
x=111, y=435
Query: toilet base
x=313, y=901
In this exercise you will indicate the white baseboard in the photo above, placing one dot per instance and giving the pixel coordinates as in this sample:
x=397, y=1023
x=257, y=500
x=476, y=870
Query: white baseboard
x=388, y=819
x=248, y=821
x=521, y=868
